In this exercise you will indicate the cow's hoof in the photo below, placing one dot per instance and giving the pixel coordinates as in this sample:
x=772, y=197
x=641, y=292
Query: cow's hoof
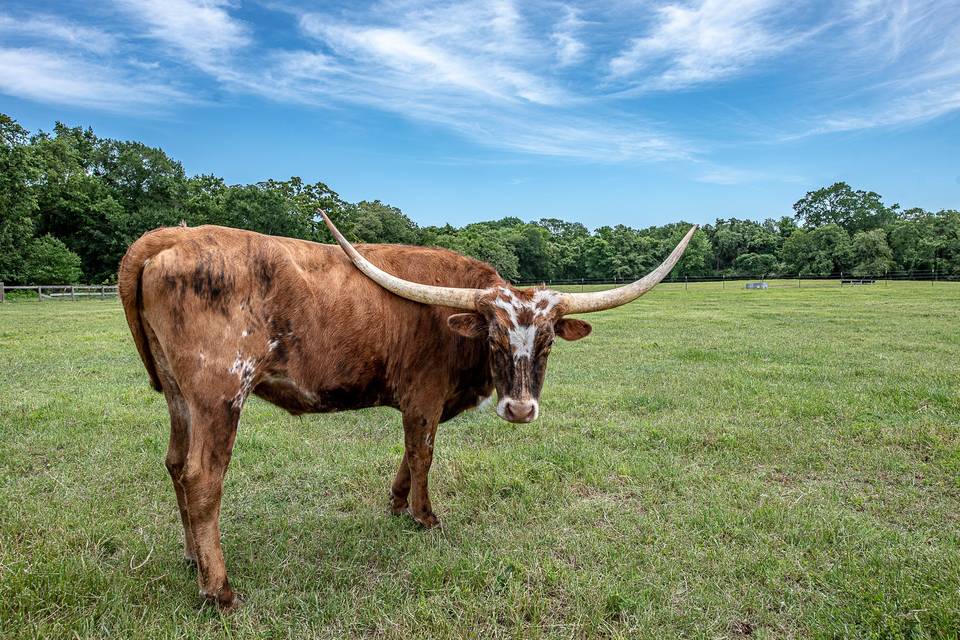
x=427, y=520
x=398, y=506
x=227, y=600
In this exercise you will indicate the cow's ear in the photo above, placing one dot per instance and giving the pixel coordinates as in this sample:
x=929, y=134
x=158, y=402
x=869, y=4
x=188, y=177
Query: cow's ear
x=572, y=329
x=469, y=325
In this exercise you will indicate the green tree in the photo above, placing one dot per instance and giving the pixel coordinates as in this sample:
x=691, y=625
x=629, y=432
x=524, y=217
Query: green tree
x=483, y=246
x=841, y=205
x=756, y=264
x=264, y=210
x=18, y=170
x=822, y=251
x=733, y=238
x=48, y=261
x=698, y=257
x=531, y=244
x=97, y=196
x=597, y=258
x=871, y=253
x=944, y=236
x=563, y=231
x=304, y=202
x=204, y=201
x=379, y=222
x=566, y=243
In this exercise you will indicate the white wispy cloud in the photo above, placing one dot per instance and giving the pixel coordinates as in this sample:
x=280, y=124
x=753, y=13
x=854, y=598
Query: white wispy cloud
x=66, y=62
x=64, y=79
x=570, y=49
x=54, y=30
x=201, y=31
x=473, y=68
x=544, y=77
x=733, y=176
x=467, y=47
x=705, y=42
x=902, y=57
x=320, y=80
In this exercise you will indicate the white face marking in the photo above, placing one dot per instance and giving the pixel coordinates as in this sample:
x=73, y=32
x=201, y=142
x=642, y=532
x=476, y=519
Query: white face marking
x=543, y=295
x=521, y=341
x=522, y=337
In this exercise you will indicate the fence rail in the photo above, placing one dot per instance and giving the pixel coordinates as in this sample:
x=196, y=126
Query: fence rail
x=60, y=291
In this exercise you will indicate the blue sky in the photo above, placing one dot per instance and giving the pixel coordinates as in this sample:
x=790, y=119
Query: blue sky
x=603, y=112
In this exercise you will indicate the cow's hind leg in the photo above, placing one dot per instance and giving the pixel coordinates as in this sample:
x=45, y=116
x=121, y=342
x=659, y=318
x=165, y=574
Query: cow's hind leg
x=213, y=431
x=418, y=433
x=401, y=488
x=179, y=437
x=177, y=457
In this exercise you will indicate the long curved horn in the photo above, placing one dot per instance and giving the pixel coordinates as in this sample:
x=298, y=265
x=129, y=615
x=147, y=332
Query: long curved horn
x=601, y=300
x=428, y=294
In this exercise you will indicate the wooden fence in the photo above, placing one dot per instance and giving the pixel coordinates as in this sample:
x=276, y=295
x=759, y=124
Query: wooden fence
x=62, y=291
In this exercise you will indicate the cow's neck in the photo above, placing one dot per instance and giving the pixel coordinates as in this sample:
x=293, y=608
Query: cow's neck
x=472, y=384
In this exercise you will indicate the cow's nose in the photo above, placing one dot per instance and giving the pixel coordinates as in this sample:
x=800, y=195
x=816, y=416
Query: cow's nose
x=521, y=411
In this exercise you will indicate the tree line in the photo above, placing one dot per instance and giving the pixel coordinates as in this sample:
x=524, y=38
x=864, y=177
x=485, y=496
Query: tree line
x=71, y=202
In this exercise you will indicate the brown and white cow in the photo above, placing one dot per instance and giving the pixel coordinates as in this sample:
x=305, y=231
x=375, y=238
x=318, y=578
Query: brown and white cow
x=218, y=314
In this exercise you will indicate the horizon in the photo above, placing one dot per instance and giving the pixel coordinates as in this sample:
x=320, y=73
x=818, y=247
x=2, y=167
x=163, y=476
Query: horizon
x=458, y=113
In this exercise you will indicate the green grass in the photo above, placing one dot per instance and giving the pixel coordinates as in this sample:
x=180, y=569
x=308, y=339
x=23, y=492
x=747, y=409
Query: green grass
x=709, y=463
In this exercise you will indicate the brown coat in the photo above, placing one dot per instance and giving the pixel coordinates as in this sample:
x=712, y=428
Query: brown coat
x=219, y=313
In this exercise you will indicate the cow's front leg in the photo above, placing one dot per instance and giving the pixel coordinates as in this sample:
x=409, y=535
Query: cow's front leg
x=418, y=434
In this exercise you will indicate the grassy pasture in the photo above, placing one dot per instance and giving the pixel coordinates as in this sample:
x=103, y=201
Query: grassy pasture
x=709, y=463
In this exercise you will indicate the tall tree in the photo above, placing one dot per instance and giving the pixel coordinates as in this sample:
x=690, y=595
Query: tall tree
x=75, y=204
x=379, y=222
x=870, y=253
x=822, y=251
x=841, y=205
x=18, y=204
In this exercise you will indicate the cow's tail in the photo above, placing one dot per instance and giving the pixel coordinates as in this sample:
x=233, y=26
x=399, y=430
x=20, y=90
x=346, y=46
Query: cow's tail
x=130, y=289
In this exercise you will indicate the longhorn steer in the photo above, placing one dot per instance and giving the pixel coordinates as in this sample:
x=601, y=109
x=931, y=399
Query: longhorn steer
x=217, y=314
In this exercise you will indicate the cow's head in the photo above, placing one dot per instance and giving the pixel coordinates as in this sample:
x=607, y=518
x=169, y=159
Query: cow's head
x=518, y=325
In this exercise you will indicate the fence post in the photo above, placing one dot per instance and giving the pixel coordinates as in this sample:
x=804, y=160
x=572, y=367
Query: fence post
x=101, y=292
x=39, y=294
x=723, y=281
x=1, y=292
x=798, y=280
x=73, y=293
x=684, y=283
